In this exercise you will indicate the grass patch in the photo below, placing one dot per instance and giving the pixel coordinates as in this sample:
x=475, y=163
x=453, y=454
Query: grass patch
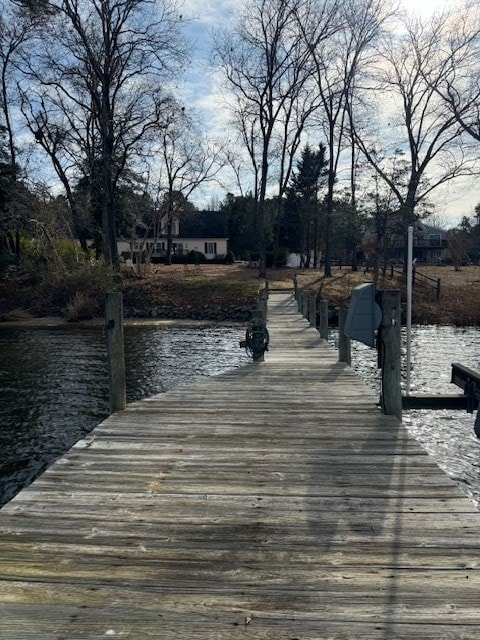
x=458, y=303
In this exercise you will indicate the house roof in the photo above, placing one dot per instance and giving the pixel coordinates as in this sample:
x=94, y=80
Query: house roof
x=429, y=229
x=203, y=224
x=194, y=225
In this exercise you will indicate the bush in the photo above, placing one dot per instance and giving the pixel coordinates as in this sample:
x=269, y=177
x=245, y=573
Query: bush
x=71, y=254
x=229, y=258
x=6, y=261
x=197, y=257
x=77, y=292
x=81, y=307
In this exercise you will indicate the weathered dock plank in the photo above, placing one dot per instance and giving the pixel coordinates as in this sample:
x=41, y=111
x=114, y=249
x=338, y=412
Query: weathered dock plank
x=273, y=502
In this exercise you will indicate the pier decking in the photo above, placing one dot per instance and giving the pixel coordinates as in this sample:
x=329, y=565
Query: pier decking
x=273, y=502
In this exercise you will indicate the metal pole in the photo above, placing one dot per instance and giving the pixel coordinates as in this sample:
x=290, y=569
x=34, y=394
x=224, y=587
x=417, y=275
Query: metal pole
x=409, y=304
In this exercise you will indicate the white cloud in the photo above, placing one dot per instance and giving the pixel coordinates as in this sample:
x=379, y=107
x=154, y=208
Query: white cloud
x=424, y=7
x=456, y=200
x=211, y=13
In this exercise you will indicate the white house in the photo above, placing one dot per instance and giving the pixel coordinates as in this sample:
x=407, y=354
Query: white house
x=200, y=231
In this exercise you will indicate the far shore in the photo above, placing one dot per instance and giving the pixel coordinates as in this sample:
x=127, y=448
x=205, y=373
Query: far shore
x=226, y=294
x=58, y=321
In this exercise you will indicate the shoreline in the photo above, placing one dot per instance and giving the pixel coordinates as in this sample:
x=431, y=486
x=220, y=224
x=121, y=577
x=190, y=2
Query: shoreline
x=50, y=322
x=55, y=321
x=223, y=295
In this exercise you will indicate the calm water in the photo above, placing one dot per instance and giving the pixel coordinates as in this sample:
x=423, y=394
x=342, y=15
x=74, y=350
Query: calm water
x=54, y=388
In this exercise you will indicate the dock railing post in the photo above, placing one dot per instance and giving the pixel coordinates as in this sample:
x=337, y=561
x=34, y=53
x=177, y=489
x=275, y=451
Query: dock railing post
x=262, y=301
x=323, y=319
x=344, y=343
x=304, y=301
x=312, y=309
x=115, y=351
x=389, y=351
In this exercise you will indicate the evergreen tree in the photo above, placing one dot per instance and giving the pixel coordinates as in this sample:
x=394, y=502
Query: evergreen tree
x=303, y=220
x=240, y=211
x=8, y=217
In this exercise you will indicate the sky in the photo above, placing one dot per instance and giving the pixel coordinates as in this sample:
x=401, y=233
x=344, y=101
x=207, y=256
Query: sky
x=202, y=94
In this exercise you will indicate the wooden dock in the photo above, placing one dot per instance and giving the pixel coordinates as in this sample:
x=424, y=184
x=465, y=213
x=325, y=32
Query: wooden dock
x=274, y=502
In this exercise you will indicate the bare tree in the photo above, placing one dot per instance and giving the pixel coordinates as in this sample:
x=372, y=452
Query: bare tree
x=66, y=139
x=16, y=28
x=188, y=160
x=456, y=73
x=338, y=60
x=421, y=126
x=17, y=25
x=266, y=64
x=459, y=243
x=102, y=67
x=382, y=225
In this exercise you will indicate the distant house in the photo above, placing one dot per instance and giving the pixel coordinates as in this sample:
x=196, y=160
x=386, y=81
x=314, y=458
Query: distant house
x=430, y=245
x=204, y=232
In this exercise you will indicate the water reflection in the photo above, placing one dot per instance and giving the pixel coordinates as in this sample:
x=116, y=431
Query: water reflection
x=448, y=436
x=54, y=390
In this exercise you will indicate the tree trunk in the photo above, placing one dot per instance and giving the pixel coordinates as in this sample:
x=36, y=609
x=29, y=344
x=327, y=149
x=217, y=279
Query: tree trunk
x=168, y=258
x=328, y=227
x=261, y=222
x=109, y=236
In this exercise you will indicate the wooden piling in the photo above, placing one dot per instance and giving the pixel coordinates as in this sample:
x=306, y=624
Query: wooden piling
x=262, y=303
x=115, y=351
x=323, y=319
x=390, y=353
x=344, y=343
x=304, y=303
x=312, y=309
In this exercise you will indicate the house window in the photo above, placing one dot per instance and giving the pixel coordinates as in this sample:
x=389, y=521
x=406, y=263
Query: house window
x=159, y=247
x=210, y=248
x=177, y=248
x=175, y=225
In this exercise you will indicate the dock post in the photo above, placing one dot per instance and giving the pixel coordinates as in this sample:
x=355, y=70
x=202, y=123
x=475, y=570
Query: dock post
x=262, y=303
x=115, y=351
x=344, y=343
x=323, y=319
x=312, y=309
x=389, y=351
x=298, y=298
x=304, y=303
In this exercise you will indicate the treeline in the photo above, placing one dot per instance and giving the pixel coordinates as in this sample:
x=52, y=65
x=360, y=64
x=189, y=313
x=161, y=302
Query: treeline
x=393, y=99
x=89, y=92
x=340, y=111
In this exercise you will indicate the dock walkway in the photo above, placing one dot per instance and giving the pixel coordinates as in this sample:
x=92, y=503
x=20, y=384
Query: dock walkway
x=274, y=502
